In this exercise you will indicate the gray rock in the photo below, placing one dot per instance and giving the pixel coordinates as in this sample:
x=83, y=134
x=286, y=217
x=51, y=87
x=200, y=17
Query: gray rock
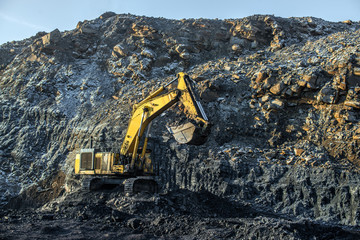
x=328, y=94
x=120, y=50
x=52, y=37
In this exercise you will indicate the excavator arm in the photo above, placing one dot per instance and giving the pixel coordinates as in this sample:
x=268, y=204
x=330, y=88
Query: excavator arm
x=155, y=104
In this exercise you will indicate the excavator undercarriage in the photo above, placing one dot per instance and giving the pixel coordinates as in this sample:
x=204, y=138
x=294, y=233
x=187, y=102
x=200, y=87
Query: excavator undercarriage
x=127, y=184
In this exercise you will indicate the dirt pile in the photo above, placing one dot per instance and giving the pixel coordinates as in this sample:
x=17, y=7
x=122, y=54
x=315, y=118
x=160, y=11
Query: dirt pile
x=175, y=215
x=282, y=95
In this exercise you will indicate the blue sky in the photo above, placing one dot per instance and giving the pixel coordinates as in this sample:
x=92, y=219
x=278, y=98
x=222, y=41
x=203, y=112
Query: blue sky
x=20, y=19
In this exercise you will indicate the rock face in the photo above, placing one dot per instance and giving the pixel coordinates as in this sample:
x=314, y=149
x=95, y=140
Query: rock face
x=283, y=96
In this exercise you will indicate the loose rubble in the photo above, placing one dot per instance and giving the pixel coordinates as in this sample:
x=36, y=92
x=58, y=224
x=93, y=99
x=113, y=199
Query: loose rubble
x=282, y=159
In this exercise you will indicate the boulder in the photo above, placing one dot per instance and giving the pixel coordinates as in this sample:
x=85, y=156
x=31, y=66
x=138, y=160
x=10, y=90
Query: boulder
x=277, y=104
x=328, y=94
x=120, y=50
x=51, y=38
x=148, y=53
x=107, y=15
x=277, y=88
x=87, y=28
x=357, y=71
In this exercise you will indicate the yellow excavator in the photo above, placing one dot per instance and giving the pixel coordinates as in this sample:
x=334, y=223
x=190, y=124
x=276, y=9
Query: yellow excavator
x=133, y=166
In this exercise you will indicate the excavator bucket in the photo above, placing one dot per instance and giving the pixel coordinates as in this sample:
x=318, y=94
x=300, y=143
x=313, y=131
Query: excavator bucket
x=189, y=133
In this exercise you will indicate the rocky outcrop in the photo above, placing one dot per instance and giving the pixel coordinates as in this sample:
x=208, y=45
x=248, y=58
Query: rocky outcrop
x=324, y=194
x=282, y=95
